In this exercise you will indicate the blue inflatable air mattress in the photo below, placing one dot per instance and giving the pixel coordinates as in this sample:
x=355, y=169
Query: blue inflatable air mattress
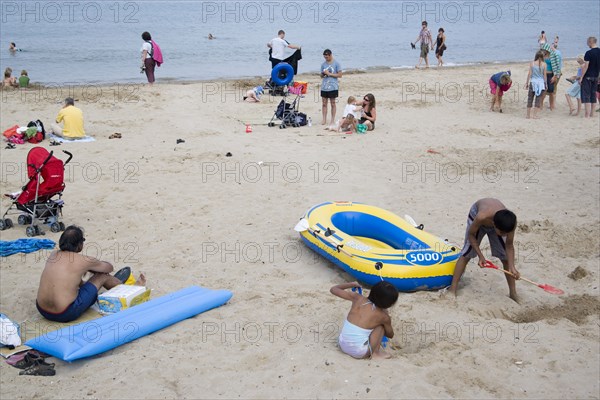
x=94, y=337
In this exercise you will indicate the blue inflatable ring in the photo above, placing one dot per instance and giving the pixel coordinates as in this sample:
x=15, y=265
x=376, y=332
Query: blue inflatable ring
x=282, y=74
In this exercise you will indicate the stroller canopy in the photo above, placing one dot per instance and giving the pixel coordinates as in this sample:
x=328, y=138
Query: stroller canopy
x=42, y=164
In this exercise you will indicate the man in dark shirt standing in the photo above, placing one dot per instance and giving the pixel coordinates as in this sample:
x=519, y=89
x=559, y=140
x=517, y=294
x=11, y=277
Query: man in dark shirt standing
x=589, y=76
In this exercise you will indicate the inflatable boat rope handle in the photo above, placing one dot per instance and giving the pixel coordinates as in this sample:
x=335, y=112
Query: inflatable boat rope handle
x=547, y=288
x=338, y=246
x=378, y=267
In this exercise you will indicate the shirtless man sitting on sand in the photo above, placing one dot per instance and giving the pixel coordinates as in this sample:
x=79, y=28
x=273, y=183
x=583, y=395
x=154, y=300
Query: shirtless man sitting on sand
x=63, y=295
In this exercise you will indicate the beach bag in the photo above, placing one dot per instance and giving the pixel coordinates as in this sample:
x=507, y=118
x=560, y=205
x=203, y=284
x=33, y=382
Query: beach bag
x=39, y=134
x=301, y=119
x=11, y=131
x=10, y=335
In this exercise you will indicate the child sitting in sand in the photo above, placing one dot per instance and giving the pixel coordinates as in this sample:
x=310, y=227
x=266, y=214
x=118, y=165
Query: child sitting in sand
x=253, y=95
x=499, y=83
x=9, y=80
x=351, y=114
x=347, y=124
x=23, y=79
x=368, y=319
x=575, y=90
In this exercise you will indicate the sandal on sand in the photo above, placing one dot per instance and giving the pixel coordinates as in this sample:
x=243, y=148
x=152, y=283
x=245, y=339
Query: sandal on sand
x=10, y=146
x=115, y=135
x=54, y=143
x=26, y=359
x=123, y=274
x=20, y=360
x=39, y=368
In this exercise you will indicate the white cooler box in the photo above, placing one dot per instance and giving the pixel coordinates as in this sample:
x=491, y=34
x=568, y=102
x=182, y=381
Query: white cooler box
x=122, y=297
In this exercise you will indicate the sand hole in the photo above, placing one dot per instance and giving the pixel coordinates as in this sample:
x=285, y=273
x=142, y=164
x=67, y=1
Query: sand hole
x=575, y=308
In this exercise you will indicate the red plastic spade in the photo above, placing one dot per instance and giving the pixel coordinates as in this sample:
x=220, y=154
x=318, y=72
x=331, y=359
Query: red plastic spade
x=546, y=287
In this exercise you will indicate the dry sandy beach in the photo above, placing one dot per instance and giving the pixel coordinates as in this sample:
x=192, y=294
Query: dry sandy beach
x=185, y=214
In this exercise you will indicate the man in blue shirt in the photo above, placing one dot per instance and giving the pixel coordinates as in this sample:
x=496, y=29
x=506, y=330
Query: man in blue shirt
x=331, y=70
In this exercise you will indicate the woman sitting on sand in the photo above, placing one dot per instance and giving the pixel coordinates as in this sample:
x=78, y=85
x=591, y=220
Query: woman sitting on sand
x=369, y=113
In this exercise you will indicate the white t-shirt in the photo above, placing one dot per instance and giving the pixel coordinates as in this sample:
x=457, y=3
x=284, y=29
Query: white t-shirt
x=352, y=109
x=279, y=47
x=148, y=47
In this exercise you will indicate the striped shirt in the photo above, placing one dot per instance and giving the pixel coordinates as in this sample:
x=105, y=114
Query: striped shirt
x=425, y=37
x=555, y=59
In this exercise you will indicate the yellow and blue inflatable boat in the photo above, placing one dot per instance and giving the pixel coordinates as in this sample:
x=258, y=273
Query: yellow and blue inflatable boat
x=372, y=244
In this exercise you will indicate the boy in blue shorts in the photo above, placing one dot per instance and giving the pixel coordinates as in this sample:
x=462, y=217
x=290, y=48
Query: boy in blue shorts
x=63, y=295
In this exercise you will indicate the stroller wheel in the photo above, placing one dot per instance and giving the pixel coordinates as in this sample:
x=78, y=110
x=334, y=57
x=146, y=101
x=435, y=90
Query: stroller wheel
x=282, y=126
x=55, y=227
x=62, y=226
x=5, y=224
x=271, y=124
x=30, y=231
x=23, y=219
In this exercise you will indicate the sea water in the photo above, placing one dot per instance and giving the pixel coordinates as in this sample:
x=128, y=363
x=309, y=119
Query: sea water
x=87, y=42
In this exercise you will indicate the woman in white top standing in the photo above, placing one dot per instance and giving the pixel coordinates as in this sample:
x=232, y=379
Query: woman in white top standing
x=148, y=62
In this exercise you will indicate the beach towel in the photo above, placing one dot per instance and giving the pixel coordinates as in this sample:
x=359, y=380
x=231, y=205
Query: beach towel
x=156, y=53
x=59, y=139
x=11, y=131
x=10, y=334
x=8, y=248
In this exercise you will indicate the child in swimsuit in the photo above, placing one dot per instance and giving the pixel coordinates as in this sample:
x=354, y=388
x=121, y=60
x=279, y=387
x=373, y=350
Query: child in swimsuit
x=368, y=319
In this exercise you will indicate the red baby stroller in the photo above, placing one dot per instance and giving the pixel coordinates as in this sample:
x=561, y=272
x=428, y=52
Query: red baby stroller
x=35, y=202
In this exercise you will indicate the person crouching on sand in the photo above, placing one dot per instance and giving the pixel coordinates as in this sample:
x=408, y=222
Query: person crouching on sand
x=253, y=95
x=368, y=319
x=489, y=217
x=499, y=83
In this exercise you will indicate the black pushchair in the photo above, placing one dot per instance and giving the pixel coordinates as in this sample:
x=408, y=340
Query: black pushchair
x=289, y=114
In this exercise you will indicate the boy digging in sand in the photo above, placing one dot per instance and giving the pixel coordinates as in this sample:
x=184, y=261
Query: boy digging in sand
x=489, y=217
x=367, y=321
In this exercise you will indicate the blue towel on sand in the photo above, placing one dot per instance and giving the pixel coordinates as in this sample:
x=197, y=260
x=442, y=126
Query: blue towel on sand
x=8, y=248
